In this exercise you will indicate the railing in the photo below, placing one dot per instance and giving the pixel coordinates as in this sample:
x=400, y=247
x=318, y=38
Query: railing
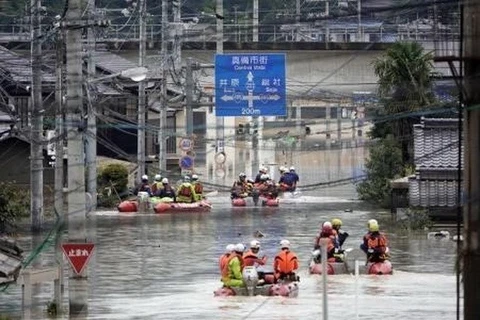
x=267, y=33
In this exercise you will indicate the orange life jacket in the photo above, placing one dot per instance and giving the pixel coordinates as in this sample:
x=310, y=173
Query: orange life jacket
x=285, y=262
x=198, y=188
x=250, y=258
x=185, y=191
x=376, y=241
x=225, y=266
x=223, y=260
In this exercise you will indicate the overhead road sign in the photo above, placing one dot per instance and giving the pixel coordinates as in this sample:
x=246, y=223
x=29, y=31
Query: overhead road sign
x=78, y=255
x=250, y=85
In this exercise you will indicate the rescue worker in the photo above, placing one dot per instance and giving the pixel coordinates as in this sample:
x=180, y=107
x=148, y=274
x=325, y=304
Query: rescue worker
x=167, y=190
x=341, y=235
x=157, y=185
x=222, y=262
x=281, y=181
x=198, y=187
x=267, y=188
x=261, y=171
x=144, y=186
x=326, y=234
x=232, y=271
x=375, y=243
x=186, y=191
x=250, y=258
x=285, y=263
x=239, y=188
x=295, y=176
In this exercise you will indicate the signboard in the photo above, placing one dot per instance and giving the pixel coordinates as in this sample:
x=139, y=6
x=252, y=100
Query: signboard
x=186, y=144
x=186, y=162
x=250, y=85
x=78, y=254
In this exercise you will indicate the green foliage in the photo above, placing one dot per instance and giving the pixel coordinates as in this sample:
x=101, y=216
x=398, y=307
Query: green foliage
x=416, y=219
x=384, y=164
x=112, y=184
x=52, y=309
x=14, y=204
x=405, y=85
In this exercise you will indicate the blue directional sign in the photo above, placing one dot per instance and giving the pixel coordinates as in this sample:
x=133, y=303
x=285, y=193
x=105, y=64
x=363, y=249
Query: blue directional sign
x=186, y=162
x=250, y=85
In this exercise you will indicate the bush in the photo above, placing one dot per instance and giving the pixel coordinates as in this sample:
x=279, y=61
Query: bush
x=14, y=204
x=112, y=184
x=384, y=164
x=416, y=219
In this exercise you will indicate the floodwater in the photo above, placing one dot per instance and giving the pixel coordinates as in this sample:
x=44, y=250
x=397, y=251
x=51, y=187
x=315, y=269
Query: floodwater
x=165, y=266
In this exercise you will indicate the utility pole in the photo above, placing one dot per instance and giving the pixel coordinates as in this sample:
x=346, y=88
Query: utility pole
x=77, y=285
x=162, y=137
x=471, y=250
x=189, y=97
x=141, y=93
x=91, y=138
x=297, y=20
x=36, y=132
x=255, y=20
x=359, y=12
x=177, y=44
x=220, y=122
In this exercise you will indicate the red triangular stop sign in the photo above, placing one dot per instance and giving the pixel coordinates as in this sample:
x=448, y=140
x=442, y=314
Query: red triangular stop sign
x=78, y=254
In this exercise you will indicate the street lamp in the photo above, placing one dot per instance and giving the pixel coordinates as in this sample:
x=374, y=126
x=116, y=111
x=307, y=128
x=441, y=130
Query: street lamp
x=136, y=74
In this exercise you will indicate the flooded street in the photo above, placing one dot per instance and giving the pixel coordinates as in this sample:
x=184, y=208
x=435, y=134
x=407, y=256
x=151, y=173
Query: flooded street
x=165, y=266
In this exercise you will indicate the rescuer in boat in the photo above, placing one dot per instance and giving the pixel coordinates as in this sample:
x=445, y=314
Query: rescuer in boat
x=239, y=188
x=267, y=188
x=258, y=177
x=341, y=235
x=157, y=185
x=327, y=234
x=232, y=271
x=285, y=263
x=186, y=191
x=250, y=258
x=198, y=187
x=144, y=186
x=167, y=191
x=222, y=262
x=375, y=243
x=289, y=180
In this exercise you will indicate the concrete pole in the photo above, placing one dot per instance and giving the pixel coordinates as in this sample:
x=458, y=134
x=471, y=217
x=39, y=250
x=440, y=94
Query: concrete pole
x=36, y=132
x=177, y=44
x=162, y=137
x=255, y=20
x=78, y=285
x=142, y=112
x=59, y=143
x=471, y=252
x=359, y=13
x=220, y=132
x=189, y=97
x=323, y=249
x=297, y=20
x=91, y=138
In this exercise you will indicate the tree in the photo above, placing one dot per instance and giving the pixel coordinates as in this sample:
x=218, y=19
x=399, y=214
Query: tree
x=405, y=85
x=383, y=165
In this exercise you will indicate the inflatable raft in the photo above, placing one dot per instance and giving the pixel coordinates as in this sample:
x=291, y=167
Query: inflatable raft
x=163, y=205
x=251, y=288
x=335, y=268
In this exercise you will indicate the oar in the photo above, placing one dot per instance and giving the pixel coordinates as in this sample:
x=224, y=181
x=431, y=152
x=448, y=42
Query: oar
x=211, y=194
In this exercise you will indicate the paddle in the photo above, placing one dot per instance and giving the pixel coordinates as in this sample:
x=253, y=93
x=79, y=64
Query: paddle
x=211, y=194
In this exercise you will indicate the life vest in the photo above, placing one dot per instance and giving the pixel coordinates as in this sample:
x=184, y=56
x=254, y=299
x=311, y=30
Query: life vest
x=225, y=269
x=157, y=186
x=185, y=191
x=330, y=244
x=198, y=188
x=249, y=258
x=376, y=241
x=223, y=261
x=285, y=262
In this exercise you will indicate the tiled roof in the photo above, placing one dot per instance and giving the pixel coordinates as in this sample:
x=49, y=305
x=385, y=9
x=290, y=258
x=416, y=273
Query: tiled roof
x=436, y=162
x=113, y=63
x=432, y=193
x=19, y=68
x=436, y=144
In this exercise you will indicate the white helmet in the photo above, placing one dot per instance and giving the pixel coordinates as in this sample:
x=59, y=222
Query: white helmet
x=263, y=169
x=230, y=248
x=144, y=177
x=264, y=177
x=194, y=177
x=239, y=247
x=255, y=244
x=285, y=244
x=327, y=224
x=282, y=169
x=186, y=179
x=292, y=168
x=157, y=177
x=165, y=180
